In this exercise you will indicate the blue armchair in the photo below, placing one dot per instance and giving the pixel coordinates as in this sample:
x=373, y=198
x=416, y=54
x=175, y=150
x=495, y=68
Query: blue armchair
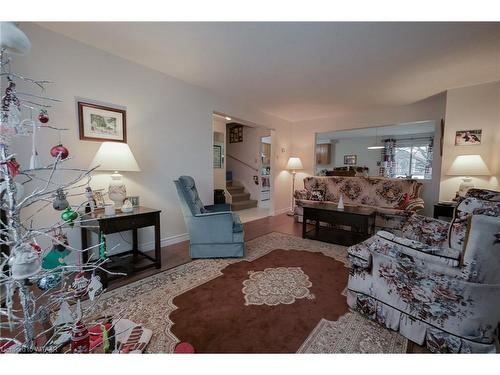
x=214, y=231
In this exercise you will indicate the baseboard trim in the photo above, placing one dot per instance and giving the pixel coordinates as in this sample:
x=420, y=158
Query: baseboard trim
x=167, y=241
x=281, y=211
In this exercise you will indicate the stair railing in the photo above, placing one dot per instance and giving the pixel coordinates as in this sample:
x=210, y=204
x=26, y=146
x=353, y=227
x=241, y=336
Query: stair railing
x=242, y=162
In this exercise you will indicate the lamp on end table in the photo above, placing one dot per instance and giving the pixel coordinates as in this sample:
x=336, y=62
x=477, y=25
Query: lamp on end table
x=115, y=156
x=466, y=166
x=294, y=164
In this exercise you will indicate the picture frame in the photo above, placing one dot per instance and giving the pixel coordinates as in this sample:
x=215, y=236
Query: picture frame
x=468, y=137
x=99, y=199
x=350, y=159
x=100, y=123
x=134, y=200
x=236, y=134
x=217, y=156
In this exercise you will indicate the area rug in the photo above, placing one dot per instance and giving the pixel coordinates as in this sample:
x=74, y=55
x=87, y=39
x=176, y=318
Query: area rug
x=284, y=296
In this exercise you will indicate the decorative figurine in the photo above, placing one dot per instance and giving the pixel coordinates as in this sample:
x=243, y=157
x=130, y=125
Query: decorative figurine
x=80, y=285
x=80, y=341
x=60, y=202
x=25, y=263
x=127, y=206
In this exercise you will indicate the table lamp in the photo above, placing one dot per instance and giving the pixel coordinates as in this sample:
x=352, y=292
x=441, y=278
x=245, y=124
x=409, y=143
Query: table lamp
x=466, y=166
x=115, y=156
x=293, y=165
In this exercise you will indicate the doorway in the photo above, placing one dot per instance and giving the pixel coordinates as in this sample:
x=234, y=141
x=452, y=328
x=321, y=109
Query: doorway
x=242, y=166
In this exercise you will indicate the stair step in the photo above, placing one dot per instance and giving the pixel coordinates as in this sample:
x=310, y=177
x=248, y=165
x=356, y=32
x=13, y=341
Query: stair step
x=235, y=190
x=241, y=205
x=239, y=197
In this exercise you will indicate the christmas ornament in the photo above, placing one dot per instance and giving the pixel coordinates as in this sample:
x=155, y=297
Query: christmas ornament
x=80, y=285
x=80, y=342
x=36, y=247
x=25, y=263
x=43, y=116
x=59, y=149
x=55, y=257
x=95, y=286
x=60, y=202
x=13, y=167
x=64, y=316
x=102, y=247
x=13, y=39
x=35, y=159
x=49, y=281
x=69, y=216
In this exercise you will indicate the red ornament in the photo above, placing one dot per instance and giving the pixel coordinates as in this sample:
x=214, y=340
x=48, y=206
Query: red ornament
x=13, y=167
x=43, y=116
x=80, y=341
x=59, y=149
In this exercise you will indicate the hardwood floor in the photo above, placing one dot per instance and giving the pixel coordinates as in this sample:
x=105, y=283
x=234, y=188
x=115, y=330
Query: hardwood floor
x=175, y=255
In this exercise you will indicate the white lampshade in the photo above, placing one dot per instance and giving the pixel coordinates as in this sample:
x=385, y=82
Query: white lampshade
x=115, y=156
x=294, y=164
x=468, y=165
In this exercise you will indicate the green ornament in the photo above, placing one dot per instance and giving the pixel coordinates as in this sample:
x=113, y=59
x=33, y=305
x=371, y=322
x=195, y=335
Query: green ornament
x=54, y=258
x=102, y=247
x=68, y=215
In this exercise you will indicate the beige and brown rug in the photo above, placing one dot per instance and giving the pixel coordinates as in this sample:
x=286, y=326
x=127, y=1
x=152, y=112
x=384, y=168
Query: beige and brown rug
x=285, y=296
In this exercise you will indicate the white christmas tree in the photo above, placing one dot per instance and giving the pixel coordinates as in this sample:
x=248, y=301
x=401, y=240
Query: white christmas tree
x=40, y=292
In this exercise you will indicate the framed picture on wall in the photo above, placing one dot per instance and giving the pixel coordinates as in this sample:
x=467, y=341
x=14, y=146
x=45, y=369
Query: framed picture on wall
x=217, y=156
x=236, y=133
x=100, y=123
x=350, y=159
x=468, y=137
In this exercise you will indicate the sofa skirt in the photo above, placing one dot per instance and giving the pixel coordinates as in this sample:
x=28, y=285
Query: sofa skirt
x=434, y=339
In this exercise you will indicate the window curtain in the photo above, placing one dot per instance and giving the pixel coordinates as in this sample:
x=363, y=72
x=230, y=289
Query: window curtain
x=388, y=159
x=428, y=162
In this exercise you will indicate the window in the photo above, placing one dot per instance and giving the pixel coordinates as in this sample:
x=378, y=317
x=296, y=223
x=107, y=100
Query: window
x=413, y=160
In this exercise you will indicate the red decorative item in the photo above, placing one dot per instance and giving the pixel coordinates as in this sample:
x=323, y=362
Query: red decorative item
x=36, y=247
x=13, y=167
x=43, y=116
x=403, y=203
x=80, y=341
x=80, y=285
x=59, y=149
x=184, y=348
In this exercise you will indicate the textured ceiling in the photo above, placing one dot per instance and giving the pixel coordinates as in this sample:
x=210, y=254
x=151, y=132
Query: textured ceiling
x=300, y=71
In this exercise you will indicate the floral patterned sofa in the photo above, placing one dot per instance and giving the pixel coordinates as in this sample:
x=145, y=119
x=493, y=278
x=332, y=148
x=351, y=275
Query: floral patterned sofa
x=438, y=284
x=393, y=199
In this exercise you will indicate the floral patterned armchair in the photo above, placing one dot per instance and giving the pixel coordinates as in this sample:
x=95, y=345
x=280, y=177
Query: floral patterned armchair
x=438, y=284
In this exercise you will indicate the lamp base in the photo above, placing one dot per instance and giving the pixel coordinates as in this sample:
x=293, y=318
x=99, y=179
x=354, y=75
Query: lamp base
x=117, y=191
x=465, y=185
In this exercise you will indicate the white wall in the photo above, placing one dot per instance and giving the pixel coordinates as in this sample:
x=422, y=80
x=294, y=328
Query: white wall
x=169, y=124
x=248, y=152
x=474, y=107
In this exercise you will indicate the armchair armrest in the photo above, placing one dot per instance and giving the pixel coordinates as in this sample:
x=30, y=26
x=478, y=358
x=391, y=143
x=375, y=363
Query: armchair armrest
x=219, y=207
x=213, y=227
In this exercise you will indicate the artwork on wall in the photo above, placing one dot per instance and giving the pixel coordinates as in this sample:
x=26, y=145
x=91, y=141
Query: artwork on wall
x=218, y=156
x=350, y=159
x=236, y=134
x=100, y=123
x=468, y=137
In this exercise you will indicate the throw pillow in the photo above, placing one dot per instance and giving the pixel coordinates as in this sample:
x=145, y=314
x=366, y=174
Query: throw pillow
x=317, y=195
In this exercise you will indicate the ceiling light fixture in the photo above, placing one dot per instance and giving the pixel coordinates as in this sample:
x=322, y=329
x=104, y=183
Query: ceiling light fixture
x=375, y=145
x=228, y=118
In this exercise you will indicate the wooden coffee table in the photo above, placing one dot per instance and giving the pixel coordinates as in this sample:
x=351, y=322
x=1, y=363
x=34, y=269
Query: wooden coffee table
x=360, y=220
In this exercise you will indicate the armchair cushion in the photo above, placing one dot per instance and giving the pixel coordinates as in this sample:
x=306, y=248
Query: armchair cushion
x=191, y=195
x=237, y=224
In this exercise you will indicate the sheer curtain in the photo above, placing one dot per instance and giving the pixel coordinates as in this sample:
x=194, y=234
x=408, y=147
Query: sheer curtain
x=388, y=159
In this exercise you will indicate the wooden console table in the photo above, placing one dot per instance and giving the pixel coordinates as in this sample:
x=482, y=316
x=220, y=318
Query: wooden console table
x=130, y=261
